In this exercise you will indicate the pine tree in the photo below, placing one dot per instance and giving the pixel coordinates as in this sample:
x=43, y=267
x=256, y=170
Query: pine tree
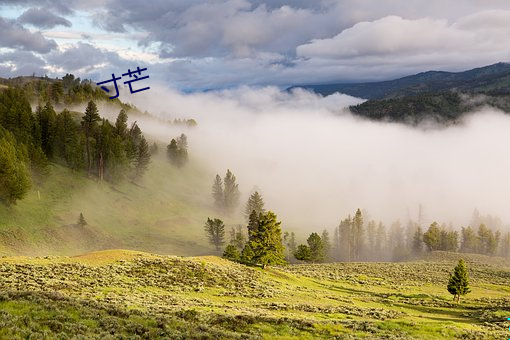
x=316, y=247
x=89, y=122
x=217, y=193
x=215, y=230
x=143, y=158
x=231, y=192
x=247, y=254
x=237, y=237
x=432, y=237
x=177, y=151
x=470, y=243
x=303, y=253
x=14, y=175
x=357, y=234
x=371, y=238
x=289, y=239
x=232, y=253
x=121, y=126
x=46, y=118
x=67, y=140
x=336, y=245
x=418, y=241
x=345, y=233
x=81, y=220
x=505, y=245
x=253, y=224
x=458, y=283
x=255, y=203
x=266, y=241
x=326, y=243
x=381, y=241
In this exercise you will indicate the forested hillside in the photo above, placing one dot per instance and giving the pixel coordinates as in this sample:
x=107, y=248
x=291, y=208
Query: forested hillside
x=73, y=181
x=443, y=97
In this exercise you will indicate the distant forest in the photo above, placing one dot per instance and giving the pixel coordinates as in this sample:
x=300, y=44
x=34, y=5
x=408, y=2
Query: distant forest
x=357, y=240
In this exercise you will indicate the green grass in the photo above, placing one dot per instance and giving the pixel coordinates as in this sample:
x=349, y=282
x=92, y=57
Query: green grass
x=140, y=295
x=164, y=212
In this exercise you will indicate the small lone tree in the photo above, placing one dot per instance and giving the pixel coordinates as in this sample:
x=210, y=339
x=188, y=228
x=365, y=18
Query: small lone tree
x=458, y=284
x=81, y=221
x=231, y=253
x=215, y=230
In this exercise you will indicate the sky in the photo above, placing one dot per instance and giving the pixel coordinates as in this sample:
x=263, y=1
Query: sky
x=194, y=45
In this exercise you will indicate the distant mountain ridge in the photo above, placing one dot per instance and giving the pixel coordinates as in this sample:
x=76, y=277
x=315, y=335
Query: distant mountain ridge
x=492, y=79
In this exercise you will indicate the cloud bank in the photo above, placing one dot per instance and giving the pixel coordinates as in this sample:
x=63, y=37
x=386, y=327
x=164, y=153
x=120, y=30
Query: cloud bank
x=315, y=163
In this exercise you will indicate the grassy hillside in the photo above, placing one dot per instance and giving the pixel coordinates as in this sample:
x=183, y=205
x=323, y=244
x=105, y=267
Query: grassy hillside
x=140, y=295
x=164, y=213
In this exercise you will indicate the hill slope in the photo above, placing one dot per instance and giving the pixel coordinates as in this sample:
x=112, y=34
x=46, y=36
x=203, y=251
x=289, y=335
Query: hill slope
x=488, y=79
x=164, y=213
x=133, y=294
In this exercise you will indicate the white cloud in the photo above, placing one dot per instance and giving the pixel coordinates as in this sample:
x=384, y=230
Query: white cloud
x=427, y=40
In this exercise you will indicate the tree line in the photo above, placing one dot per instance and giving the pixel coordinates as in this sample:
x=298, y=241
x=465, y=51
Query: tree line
x=83, y=142
x=357, y=240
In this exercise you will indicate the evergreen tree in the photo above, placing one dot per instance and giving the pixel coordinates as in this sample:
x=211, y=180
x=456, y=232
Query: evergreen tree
x=237, y=237
x=253, y=224
x=81, y=220
x=46, y=119
x=230, y=192
x=336, y=245
x=371, y=238
x=255, y=203
x=432, y=237
x=505, y=245
x=121, y=126
x=345, y=231
x=326, y=243
x=266, y=241
x=143, y=158
x=381, y=239
x=470, y=243
x=289, y=240
x=132, y=141
x=177, y=151
x=154, y=149
x=487, y=240
x=232, y=253
x=67, y=140
x=247, y=254
x=418, y=241
x=182, y=142
x=89, y=122
x=451, y=240
x=16, y=115
x=215, y=230
x=217, y=193
x=357, y=234
x=458, y=283
x=303, y=253
x=14, y=176
x=316, y=247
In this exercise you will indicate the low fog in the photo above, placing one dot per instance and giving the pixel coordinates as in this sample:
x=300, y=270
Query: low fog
x=315, y=163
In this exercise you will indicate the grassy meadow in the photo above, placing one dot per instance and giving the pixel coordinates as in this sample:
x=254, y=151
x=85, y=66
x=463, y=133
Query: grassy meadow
x=136, y=295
